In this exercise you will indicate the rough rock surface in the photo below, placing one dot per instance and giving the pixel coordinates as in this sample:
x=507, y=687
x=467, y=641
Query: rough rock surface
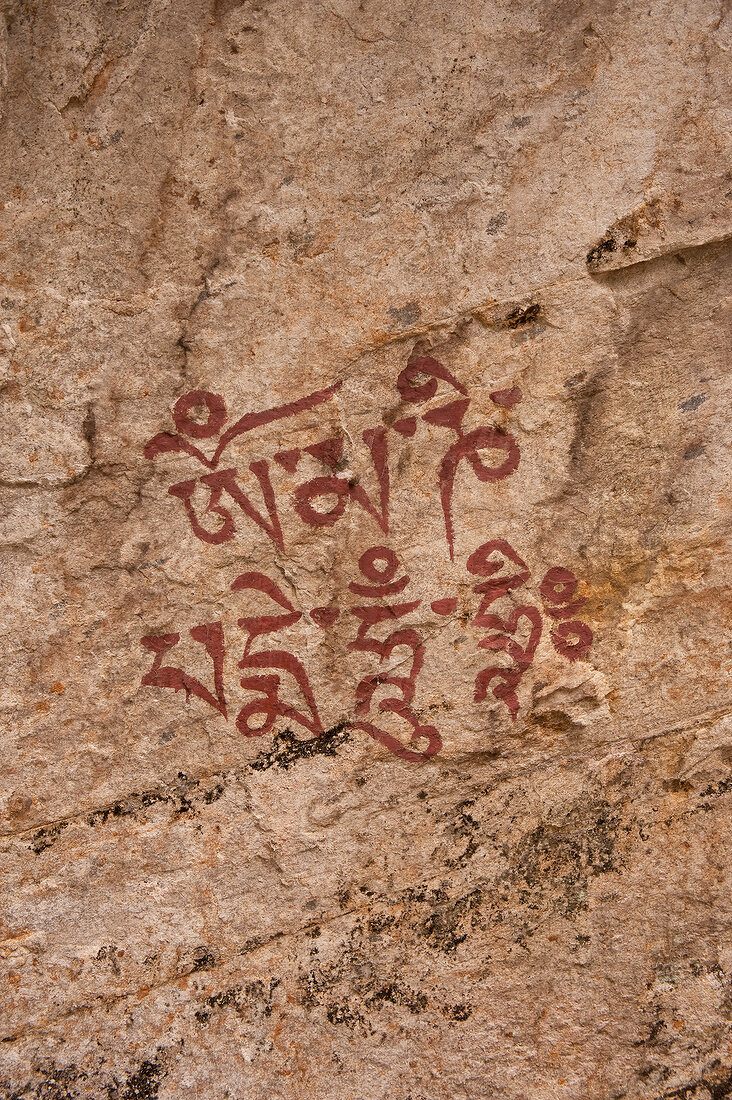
x=363, y=507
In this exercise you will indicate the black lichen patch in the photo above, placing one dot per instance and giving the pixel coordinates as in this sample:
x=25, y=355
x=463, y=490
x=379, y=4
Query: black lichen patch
x=317, y=984
x=203, y=959
x=52, y=1082
x=46, y=837
x=185, y=795
x=142, y=1085
x=656, y=1028
x=604, y=247
x=343, y=896
x=623, y=236
x=223, y=999
x=429, y=894
x=714, y=790
x=380, y=923
x=457, y=1012
x=262, y=993
x=448, y=925
x=511, y=316
x=251, y=1001
x=352, y=991
x=108, y=953
x=342, y=1013
x=287, y=749
x=714, y=1084
x=398, y=994
x=55, y=1083
x=214, y=794
x=466, y=827
x=181, y=795
x=355, y=989
x=548, y=872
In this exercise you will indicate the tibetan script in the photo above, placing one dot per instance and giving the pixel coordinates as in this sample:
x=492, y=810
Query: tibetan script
x=389, y=628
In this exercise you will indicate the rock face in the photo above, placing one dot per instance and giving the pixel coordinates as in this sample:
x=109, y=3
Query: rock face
x=364, y=501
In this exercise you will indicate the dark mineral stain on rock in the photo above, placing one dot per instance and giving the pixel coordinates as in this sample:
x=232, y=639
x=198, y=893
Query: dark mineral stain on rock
x=694, y=402
x=406, y=315
x=496, y=222
x=525, y=315
x=566, y=857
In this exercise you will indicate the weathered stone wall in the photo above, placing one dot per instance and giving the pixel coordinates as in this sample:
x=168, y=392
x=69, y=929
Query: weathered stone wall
x=364, y=496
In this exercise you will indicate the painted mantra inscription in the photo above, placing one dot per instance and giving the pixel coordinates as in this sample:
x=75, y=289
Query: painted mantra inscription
x=378, y=600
